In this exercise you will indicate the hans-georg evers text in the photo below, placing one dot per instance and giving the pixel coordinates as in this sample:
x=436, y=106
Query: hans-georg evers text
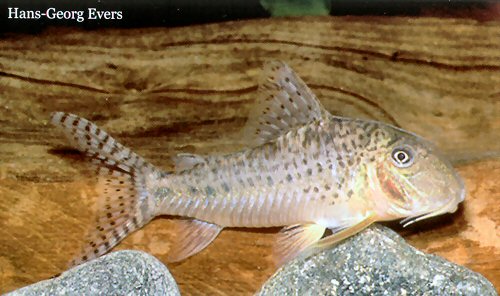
x=55, y=14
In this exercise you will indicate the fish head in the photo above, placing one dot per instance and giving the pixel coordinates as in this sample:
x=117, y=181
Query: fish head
x=414, y=178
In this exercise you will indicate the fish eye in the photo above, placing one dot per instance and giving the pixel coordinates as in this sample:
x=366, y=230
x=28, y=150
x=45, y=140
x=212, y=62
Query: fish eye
x=402, y=157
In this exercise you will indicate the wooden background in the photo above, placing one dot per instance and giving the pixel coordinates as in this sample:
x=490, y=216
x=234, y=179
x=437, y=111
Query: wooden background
x=166, y=91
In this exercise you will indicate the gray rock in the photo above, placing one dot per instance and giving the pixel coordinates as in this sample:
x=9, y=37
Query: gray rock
x=119, y=273
x=375, y=262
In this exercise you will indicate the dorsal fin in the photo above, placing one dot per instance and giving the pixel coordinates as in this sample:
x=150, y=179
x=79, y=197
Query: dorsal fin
x=284, y=102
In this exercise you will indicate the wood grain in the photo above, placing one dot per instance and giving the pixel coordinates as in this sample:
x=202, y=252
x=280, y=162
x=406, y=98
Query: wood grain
x=165, y=91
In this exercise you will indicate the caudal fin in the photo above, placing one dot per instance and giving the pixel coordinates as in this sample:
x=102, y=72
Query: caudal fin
x=124, y=201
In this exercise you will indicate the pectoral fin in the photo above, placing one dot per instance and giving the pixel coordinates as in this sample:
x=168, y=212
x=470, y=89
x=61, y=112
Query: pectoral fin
x=192, y=236
x=295, y=238
x=336, y=237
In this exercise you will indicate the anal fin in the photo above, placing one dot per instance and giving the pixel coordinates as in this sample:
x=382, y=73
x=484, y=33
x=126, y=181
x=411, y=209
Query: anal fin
x=294, y=239
x=192, y=236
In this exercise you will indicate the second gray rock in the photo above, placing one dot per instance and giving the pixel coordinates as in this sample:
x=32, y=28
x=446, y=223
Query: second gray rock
x=375, y=262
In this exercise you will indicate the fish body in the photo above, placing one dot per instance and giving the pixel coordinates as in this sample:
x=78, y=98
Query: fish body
x=311, y=174
x=305, y=169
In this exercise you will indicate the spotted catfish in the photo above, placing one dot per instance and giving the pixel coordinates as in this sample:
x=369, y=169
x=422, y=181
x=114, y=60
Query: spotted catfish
x=305, y=169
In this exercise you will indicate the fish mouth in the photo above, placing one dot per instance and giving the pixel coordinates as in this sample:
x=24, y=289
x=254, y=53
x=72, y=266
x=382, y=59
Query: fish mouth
x=415, y=218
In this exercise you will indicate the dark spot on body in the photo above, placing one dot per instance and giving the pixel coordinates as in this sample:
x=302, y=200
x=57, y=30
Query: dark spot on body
x=209, y=190
x=134, y=221
x=344, y=146
x=193, y=190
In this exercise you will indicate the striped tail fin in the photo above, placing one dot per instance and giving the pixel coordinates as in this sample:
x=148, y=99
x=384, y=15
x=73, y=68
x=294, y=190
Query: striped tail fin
x=124, y=202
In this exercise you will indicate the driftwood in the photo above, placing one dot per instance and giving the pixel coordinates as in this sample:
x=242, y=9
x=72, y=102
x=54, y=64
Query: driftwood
x=165, y=91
